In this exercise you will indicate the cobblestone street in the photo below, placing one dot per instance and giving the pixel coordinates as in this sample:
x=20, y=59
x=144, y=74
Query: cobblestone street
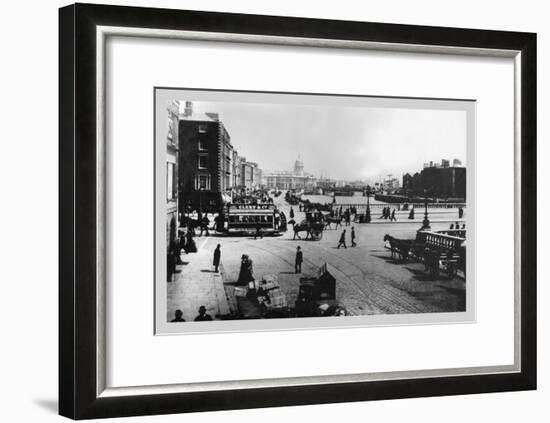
x=369, y=281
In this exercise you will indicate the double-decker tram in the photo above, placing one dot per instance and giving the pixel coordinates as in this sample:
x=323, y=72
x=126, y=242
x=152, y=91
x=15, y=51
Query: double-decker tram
x=248, y=218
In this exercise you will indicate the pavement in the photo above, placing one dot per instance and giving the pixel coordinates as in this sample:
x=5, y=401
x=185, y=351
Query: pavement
x=196, y=284
x=369, y=281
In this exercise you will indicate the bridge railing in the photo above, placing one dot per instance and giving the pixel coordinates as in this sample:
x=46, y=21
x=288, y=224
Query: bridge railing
x=417, y=206
x=441, y=240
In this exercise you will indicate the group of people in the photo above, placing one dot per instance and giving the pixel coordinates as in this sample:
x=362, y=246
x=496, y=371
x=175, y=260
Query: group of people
x=203, y=316
x=388, y=213
x=342, y=240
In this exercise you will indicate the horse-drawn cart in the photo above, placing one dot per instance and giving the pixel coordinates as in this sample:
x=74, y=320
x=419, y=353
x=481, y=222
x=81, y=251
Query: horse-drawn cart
x=313, y=225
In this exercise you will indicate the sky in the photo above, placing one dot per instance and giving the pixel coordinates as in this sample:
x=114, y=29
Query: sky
x=347, y=143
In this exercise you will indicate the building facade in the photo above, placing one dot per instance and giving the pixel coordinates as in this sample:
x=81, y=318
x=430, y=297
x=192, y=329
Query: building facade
x=172, y=173
x=441, y=181
x=205, y=162
x=296, y=179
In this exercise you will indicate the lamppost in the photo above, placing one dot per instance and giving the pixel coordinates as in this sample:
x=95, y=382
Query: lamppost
x=367, y=214
x=426, y=221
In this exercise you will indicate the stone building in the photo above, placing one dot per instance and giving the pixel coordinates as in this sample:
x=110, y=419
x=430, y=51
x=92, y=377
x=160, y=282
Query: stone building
x=205, y=161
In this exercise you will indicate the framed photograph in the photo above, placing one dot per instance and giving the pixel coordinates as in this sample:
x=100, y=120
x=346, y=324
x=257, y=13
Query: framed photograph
x=261, y=211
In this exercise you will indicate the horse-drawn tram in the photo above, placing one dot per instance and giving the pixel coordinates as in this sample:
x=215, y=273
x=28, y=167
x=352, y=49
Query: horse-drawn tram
x=249, y=218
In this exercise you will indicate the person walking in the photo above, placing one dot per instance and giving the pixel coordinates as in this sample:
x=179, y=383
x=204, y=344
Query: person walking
x=299, y=260
x=393, y=218
x=291, y=214
x=246, y=273
x=217, y=258
x=258, y=231
x=204, y=225
x=411, y=213
x=342, y=240
x=353, y=243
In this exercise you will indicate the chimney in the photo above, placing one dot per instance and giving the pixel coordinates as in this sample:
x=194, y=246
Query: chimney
x=188, y=108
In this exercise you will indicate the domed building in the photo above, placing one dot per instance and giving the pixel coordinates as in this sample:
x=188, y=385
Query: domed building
x=296, y=179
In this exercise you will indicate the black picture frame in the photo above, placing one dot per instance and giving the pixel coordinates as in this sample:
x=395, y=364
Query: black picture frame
x=78, y=398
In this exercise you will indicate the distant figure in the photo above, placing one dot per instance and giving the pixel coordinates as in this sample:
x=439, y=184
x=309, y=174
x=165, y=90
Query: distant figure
x=203, y=316
x=291, y=214
x=460, y=212
x=452, y=227
x=190, y=246
x=464, y=226
x=457, y=226
x=353, y=243
x=342, y=240
x=258, y=232
x=217, y=258
x=179, y=316
x=393, y=218
x=204, y=222
x=411, y=213
x=246, y=272
x=299, y=260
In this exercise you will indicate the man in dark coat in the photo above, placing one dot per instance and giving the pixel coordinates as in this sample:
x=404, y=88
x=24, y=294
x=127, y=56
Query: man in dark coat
x=203, y=316
x=217, y=257
x=299, y=260
x=353, y=243
x=246, y=274
x=342, y=240
x=178, y=316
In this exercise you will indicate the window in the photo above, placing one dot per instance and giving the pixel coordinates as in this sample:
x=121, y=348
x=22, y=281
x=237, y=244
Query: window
x=170, y=181
x=202, y=129
x=203, y=162
x=202, y=144
x=202, y=182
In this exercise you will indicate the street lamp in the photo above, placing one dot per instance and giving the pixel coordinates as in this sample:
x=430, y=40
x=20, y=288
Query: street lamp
x=426, y=221
x=367, y=213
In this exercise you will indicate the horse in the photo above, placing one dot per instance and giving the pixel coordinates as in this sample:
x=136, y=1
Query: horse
x=314, y=230
x=330, y=220
x=398, y=246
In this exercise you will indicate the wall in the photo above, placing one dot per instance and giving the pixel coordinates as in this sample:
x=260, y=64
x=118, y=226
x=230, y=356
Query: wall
x=28, y=170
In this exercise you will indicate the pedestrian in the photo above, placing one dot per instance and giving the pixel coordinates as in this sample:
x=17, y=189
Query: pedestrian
x=353, y=243
x=190, y=246
x=452, y=226
x=258, y=231
x=203, y=316
x=246, y=271
x=411, y=213
x=342, y=240
x=460, y=212
x=393, y=218
x=178, y=316
x=291, y=214
x=217, y=258
x=204, y=222
x=299, y=260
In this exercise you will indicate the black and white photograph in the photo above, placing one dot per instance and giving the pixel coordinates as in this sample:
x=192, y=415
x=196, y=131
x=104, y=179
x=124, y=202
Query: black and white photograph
x=288, y=206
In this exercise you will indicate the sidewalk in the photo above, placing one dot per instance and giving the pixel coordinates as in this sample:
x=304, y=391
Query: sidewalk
x=196, y=284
